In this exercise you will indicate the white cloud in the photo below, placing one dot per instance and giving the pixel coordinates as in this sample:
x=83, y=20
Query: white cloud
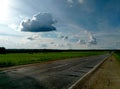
x=81, y=1
x=70, y=1
x=42, y=22
x=13, y=26
x=83, y=42
x=92, y=40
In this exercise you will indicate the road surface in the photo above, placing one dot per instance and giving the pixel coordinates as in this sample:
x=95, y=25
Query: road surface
x=49, y=75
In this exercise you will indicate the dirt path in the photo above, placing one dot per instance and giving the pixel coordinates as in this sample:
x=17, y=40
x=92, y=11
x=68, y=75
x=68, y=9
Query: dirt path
x=107, y=77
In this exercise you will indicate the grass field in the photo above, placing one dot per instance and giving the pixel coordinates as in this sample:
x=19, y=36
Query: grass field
x=27, y=58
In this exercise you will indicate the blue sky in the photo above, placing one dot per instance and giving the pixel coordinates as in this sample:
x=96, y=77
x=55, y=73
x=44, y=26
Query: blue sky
x=60, y=24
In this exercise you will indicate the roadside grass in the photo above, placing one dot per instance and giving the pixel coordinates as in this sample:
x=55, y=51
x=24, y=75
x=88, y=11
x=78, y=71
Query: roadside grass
x=15, y=59
x=117, y=56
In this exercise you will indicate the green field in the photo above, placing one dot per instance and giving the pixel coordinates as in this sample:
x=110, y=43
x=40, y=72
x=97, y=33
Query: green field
x=27, y=58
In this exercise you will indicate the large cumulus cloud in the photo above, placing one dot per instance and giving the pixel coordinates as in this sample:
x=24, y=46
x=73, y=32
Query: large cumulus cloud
x=42, y=22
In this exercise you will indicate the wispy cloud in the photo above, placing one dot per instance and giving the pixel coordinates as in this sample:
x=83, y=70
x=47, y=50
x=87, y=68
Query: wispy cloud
x=81, y=1
x=70, y=1
x=13, y=26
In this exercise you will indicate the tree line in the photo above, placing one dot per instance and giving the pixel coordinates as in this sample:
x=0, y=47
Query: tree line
x=2, y=50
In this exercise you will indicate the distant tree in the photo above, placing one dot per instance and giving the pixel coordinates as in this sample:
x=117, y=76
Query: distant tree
x=2, y=50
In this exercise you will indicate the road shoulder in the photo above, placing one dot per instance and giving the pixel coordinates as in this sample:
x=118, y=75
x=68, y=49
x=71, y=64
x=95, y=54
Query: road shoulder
x=106, y=77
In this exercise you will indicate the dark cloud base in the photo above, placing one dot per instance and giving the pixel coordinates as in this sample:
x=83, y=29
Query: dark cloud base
x=40, y=29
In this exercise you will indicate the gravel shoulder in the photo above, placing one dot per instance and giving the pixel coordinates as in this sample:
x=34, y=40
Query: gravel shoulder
x=106, y=77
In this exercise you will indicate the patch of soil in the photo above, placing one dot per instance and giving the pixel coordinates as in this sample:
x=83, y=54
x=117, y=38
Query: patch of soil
x=106, y=77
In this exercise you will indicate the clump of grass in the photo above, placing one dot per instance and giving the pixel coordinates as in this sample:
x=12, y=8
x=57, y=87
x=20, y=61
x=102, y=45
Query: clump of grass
x=26, y=58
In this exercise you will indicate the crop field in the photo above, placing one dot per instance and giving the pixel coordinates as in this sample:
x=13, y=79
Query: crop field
x=14, y=59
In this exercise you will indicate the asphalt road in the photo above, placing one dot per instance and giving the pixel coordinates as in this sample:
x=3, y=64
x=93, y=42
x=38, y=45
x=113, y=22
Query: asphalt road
x=50, y=75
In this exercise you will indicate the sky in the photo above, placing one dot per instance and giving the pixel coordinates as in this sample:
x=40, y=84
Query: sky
x=60, y=24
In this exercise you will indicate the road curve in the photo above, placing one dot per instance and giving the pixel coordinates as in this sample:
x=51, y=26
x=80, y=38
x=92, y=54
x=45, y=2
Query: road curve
x=51, y=75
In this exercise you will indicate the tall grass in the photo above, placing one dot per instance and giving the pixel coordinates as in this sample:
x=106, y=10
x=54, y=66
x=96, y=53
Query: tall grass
x=27, y=58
